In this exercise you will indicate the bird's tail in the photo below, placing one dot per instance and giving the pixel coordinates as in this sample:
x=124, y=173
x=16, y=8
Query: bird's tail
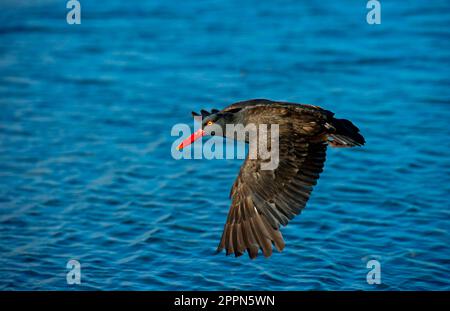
x=344, y=133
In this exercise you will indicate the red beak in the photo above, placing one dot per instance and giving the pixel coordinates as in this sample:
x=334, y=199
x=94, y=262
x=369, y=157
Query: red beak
x=196, y=135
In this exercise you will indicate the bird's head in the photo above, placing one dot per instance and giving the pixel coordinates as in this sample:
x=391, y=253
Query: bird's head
x=213, y=123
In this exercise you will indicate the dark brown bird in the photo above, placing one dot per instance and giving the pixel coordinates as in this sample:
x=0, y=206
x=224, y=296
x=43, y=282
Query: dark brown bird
x=262, y=200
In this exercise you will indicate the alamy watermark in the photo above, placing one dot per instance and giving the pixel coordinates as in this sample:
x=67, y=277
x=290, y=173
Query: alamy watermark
x=374, y=274
x=74, y=15
x=373, y=17
x=263, y=140
x=74, y=274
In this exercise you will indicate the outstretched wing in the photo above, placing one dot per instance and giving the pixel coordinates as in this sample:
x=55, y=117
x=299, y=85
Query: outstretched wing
x=262, y=200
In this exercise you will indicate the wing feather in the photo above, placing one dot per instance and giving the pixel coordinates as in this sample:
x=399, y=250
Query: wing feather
x=262, y=201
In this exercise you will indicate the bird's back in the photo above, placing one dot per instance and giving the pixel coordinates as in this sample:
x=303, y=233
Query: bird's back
x=292, y=117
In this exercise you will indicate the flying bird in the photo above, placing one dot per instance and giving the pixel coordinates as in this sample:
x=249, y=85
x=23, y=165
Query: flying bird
x=263, y=200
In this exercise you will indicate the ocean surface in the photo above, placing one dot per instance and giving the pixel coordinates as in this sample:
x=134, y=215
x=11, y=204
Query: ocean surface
x=86, y=170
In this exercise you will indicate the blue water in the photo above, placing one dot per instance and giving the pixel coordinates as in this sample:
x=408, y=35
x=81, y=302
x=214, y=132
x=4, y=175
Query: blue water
x=86, y=171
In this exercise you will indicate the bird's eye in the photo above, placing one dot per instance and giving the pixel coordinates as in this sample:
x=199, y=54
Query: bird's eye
x=209, y=123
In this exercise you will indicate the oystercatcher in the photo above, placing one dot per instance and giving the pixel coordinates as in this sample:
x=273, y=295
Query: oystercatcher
x=263, y=200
